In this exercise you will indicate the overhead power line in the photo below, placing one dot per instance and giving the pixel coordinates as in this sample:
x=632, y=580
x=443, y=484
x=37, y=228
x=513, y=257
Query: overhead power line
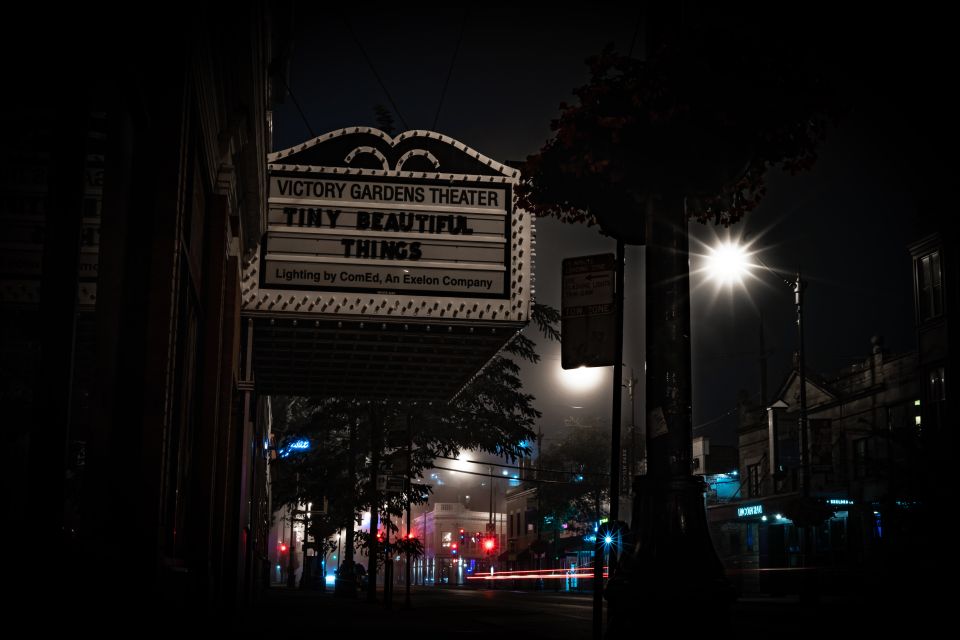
x=297, y=105
x=446, y=83
x=374, y=71
x=512, y=466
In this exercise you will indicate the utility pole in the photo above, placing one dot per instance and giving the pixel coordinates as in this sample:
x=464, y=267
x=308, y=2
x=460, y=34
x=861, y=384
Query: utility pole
x=763, y=366
x=798, y=287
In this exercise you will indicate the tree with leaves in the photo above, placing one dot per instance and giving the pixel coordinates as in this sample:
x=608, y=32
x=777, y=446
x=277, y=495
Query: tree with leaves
x=349, y=438
x=720, y=99
x=579, y=466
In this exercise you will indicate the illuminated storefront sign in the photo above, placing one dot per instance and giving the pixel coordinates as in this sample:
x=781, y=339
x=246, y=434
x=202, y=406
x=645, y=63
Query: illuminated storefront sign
x=750, y=510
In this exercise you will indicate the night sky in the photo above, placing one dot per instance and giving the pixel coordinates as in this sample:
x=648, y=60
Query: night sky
x=846, y=223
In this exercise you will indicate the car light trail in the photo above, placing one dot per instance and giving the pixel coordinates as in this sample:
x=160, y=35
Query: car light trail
x=584, y=573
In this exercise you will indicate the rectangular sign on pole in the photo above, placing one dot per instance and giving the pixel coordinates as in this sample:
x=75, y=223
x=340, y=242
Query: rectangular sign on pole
x=588, y=320
x=391, y=484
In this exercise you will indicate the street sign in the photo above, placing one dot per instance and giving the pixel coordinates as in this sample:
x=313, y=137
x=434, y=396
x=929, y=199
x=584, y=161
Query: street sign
x=588, y=320
x=391, y=484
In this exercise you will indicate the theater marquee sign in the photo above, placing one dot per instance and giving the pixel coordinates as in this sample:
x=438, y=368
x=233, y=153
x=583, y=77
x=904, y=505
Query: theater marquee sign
x=417, y=232
x=351, y=235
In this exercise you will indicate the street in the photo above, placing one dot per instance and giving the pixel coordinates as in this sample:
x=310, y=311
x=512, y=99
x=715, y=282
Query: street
x=471, y=613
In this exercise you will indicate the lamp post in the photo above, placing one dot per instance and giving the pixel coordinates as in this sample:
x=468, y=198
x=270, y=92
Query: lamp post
x=730, y=262
x=798, y=286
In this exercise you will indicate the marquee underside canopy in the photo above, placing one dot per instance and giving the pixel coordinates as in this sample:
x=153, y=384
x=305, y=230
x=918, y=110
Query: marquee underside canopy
x=370, y=358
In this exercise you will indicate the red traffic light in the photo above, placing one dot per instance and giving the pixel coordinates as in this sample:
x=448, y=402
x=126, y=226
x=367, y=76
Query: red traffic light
x=489, y=544
x=283, y=547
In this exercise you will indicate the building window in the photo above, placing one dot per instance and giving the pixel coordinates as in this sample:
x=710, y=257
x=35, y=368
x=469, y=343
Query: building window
x=753, y=480
x=929, y=286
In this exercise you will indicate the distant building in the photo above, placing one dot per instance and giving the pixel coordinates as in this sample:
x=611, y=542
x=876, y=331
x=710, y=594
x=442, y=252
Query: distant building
x=522, y=522
x=935, y=303
x=453, y=540
x=864, y=428
x=710, y=459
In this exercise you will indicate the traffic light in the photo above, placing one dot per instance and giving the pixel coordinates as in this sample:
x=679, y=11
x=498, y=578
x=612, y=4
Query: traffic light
x=462, y=536
x=283, y=547
x=489, y=545
x=453, y=549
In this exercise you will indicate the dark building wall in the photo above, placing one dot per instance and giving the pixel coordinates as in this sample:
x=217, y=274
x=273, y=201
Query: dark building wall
x=144, y=380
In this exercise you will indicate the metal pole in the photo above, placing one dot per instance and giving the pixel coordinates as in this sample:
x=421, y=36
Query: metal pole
x=597, y=574
x=387, y=564
x=617, y=404
x=406, y=600
x=617, y=396
x=798, y=288
x=539, y=510
x=374, y=504
x=303, y=566
x=809, y=580
x=291, y=550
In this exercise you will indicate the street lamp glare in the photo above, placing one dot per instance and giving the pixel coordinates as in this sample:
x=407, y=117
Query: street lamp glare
x=582, y=379
x=728, y=263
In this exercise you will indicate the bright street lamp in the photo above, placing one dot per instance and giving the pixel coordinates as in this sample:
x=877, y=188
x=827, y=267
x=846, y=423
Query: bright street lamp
x=728, y=263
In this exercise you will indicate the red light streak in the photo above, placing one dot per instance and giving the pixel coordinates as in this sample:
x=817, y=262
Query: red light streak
x=583, y=573
x=553, y=576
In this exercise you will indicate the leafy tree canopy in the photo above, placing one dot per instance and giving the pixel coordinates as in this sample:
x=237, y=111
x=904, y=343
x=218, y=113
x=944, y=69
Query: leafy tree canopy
x=492, y=414
x=579, y=466
x=720, y=100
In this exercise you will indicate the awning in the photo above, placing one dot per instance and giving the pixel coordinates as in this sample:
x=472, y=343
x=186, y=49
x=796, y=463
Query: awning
x=372, y=359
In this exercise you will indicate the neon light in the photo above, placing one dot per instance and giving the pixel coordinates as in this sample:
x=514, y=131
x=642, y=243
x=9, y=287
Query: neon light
x=839, y=501
x=750, y=510
x=302, y=443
